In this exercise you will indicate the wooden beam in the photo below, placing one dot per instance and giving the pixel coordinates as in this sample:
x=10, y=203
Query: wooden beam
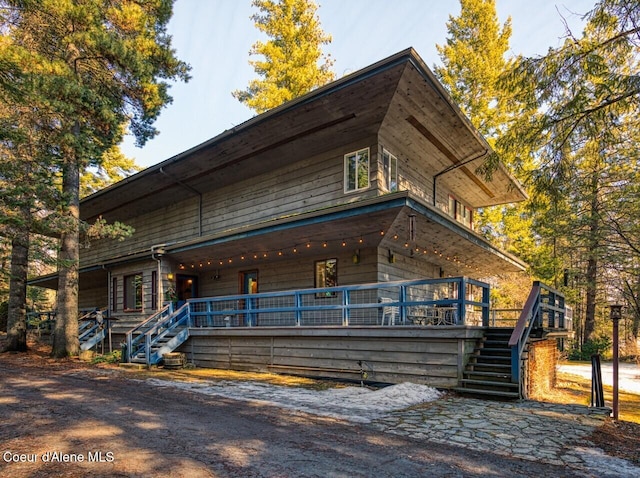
x=448, y=154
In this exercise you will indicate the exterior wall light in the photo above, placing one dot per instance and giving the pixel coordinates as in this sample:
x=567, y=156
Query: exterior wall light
x=356, y=257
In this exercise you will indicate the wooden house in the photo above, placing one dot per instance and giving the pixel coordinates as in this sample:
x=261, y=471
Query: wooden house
x=367, y=180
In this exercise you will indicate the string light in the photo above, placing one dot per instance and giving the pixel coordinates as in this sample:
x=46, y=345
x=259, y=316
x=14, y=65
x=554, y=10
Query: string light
x=414, y=250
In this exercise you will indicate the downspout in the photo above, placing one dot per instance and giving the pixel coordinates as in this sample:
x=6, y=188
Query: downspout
x=190, y=189
x=156, y=255
x=453, y=167
x=110, y=307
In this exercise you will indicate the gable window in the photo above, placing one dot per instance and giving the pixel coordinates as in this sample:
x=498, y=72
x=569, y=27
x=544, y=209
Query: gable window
x=390, y=165
x=326, y=275
x=356, y=170
x=460, y=212
x=133, y=292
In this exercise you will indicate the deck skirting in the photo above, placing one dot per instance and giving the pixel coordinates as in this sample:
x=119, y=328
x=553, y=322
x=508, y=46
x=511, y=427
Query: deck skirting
x=434, y=356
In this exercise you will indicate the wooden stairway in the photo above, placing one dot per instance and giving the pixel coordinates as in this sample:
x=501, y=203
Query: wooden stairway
x=161, y=333
x=166, y=342
x=91, y=329
x=488, y=372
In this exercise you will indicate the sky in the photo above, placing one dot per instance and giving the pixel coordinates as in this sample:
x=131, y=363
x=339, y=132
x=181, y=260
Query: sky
x=215, y=36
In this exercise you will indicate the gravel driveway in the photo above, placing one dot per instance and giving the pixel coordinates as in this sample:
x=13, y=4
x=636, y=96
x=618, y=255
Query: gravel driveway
x=69, y=421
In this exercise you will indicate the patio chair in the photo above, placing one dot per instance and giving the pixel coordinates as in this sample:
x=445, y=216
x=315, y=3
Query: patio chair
x=389, y=312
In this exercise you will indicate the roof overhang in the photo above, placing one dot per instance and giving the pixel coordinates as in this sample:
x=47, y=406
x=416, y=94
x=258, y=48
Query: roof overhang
x=381, y=222
x=400, y=90
x=384, y=221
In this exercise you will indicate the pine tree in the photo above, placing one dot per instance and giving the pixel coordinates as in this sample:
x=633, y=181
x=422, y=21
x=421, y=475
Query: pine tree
x=113, y=167
x=91, y=66
x=290, y=67
x=473, y=60
x=584, y=99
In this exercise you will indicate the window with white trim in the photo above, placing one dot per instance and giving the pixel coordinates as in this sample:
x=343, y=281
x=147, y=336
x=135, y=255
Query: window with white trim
x=356, y=170
x=390, y=166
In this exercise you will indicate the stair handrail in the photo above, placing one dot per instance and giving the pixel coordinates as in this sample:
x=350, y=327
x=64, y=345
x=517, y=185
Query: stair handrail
x=130, y=341
x=155, y=333
x=142, y=343
x=88, y=323
x=522, y=330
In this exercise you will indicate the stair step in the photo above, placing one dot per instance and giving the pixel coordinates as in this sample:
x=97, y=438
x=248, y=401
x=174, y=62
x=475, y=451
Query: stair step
x=493, y=351
x=503, y=344
x=488, y=383
x=490, y=359
x=490, y=367
x=487, y=393
x=495, y=375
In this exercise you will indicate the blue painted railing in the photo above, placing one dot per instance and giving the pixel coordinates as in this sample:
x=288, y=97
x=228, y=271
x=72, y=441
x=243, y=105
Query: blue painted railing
x=163, y=332
x=450, y=301
x=544, y=310
x=135, y=338
x=92, y=328
x=175, y=329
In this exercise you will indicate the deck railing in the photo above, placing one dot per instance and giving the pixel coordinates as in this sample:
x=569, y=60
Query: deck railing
x=450, y=301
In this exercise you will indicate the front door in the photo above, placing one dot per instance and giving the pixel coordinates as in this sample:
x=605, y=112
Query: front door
x=249, y=285
x=249, y=282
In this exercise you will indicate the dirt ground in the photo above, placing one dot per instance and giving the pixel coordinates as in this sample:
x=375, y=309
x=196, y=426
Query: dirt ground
x=70, y=418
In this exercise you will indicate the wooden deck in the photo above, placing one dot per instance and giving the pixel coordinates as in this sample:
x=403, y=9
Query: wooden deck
x=431, y=355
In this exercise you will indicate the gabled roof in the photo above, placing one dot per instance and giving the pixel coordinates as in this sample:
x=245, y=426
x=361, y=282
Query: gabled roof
x=400, y=90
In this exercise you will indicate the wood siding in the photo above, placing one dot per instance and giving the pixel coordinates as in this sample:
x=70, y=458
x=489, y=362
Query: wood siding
x=427, y=355
x=290, y=274
x=307, y=185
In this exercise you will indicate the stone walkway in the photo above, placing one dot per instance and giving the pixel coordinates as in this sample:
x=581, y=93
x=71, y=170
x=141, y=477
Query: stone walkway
x=547, y=432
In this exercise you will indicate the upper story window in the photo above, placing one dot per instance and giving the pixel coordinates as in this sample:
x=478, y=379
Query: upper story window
x=390, y=166
x=133, y=292
x=356, y=170
x=460, y=212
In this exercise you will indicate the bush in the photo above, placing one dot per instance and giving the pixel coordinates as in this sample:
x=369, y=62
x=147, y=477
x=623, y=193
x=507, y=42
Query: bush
x=113, y=357
x=598, y=346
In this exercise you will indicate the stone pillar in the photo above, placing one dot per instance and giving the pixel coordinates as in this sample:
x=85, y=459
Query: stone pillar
x=542, y=361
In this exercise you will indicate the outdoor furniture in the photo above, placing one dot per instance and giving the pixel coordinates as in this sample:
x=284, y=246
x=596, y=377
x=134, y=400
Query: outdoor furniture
x=389, y=312
x=433, y=315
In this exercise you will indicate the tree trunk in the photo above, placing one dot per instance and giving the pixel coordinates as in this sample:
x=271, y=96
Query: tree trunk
x=592, y=259
x=633, y=300
x=65, y=340
x=590, y=309
x=17, y=316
